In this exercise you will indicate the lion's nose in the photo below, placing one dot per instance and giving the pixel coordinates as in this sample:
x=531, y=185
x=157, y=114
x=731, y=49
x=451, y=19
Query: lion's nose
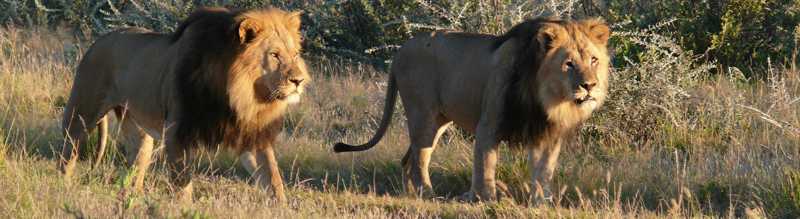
x=588, y=85
x=296, y=81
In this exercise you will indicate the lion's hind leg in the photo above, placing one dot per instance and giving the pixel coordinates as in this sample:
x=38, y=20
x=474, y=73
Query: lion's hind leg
x=424, y=135
x=88, y=103
x=78, y=121
x=75, y=134
x=102, y=136
x=138, y=149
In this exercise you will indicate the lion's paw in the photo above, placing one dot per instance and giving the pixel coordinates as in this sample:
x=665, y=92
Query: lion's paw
x=467, y=197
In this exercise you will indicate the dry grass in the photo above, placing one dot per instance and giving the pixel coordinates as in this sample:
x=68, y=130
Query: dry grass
x=666, y=145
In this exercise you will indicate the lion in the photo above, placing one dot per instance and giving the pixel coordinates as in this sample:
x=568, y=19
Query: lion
x=528, y=87
x=223, y=77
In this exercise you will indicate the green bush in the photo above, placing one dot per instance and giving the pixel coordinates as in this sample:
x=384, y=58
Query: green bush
x=755, y=30
x=739, y=33
x=351, y=28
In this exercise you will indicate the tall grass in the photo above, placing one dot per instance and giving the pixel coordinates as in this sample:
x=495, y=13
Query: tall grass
x=669, y=142
x=673, y=140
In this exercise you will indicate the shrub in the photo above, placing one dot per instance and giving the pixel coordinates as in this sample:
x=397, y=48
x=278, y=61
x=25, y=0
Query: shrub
x=738, y=33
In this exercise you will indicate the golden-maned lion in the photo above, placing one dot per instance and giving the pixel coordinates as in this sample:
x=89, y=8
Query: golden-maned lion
x=529, y=87
x=223, y=77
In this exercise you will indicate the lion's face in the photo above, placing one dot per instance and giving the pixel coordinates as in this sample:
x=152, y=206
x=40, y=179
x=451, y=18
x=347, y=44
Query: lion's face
x=283, y=72
x=280, y=73
x=579, y=75
x=575, y=68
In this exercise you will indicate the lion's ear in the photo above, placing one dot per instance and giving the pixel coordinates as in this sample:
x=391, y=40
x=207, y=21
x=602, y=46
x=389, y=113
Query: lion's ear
x=249, y=29
x=293, y=20
x=549, y=35
x=599, y=30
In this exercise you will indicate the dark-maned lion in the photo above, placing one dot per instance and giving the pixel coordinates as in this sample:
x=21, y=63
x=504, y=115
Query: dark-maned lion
x=529, y=86
x=223, y=77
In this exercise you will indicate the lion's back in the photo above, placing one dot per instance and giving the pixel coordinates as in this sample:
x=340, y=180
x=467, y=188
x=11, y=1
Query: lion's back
x=445, y=72
x=444, y=53
x=121, y=47
x=444, y=46
x=119, y=64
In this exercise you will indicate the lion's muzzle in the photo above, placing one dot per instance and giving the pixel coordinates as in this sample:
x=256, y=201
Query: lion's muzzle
x=293, y=89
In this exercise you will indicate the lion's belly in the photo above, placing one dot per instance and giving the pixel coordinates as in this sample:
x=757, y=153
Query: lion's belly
x=461, y=96
x=146, y=119
x=142, y=98
x=463, y=107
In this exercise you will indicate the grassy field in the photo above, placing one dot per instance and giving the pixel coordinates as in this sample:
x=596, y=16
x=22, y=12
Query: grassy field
x=669, y=143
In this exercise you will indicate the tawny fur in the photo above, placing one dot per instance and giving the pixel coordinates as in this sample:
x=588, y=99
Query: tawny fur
x=223, y=77
x=517, y=87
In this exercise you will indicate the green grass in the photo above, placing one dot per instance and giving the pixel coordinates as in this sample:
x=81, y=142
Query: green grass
x=711, y=157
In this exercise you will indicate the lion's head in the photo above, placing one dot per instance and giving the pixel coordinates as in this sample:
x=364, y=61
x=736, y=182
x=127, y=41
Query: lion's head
x=271, y=70
x=239, y=72
x=272, y=39
x=560, y=74
x=573, y=77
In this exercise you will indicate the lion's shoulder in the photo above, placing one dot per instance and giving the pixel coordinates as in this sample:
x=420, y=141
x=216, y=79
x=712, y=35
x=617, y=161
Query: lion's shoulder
x=207, y=17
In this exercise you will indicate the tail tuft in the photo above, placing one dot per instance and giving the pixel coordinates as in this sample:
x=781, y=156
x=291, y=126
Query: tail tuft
x=342, y=147
x=388, y=111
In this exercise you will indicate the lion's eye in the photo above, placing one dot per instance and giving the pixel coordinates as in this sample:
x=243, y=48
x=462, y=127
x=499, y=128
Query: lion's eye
x=274, y=55
x=594, y=60
x=569, y=64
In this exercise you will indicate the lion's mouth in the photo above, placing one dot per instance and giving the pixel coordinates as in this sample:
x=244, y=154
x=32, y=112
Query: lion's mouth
x=290, y=97
x=584, y=99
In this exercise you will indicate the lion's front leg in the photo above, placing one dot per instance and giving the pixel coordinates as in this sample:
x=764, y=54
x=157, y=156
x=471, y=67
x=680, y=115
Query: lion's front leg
x=248, y=160
x=179, y=169
x=542, y=160
x=483, y=169
x=266, y=172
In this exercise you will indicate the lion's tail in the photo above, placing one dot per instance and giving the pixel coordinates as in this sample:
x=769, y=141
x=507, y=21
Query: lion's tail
x=388, y=111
